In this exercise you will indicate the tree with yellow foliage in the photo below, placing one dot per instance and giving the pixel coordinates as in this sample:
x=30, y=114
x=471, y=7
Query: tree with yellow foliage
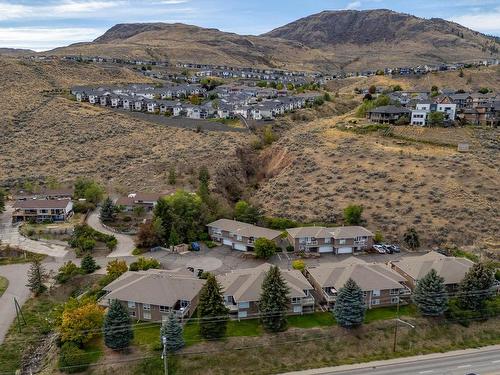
x=81, y=320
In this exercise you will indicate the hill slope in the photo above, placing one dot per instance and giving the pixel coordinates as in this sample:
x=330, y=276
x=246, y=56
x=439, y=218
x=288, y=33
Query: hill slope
x=328, y=40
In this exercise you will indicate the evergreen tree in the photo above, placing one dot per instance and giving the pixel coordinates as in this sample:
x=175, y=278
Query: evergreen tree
x=349, y=310
x=475, y=288
x=411, y=239
x=88, y=264
x=2, y=200
x=212, y=311
x=430, y=294
x=274, y=301
x=108, y=210
x=174, y=237
x=36, y=277
x=172, y=176
x=171, y=329
x=117, y=328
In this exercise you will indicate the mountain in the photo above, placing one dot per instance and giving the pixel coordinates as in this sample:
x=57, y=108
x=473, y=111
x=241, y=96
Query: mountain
x=16, y=51
x=330, y=40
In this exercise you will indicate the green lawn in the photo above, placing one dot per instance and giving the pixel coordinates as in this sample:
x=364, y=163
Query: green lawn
x=94, y=349
x=4, y=283
x=317, y=319
x=386, y=313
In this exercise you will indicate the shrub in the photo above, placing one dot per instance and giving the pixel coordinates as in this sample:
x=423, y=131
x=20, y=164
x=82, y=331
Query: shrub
x=290, y=248
x=279, y=223
x=67, y=271
x=352, y=214
x=264, y=248
x=72, y=359
x=143, y=264
x=210, y=244
x=299, y=264
x=378, y=238
x=83, y=207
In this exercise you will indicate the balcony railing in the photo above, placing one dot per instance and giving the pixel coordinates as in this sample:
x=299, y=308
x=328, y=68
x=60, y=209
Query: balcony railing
x=309, y=243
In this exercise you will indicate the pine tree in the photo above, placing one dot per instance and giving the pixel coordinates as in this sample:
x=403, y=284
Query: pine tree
x=117, y=328
x=349, y=309
x=430, y=294
x=212, y=311
x=274, y=301
x=2, y=200
x=171, y=329
x=108, y=210
x=411, y=239
x=88, y=264
x=172, y=177
x=36, y=277
x=475, y=288
x=173, y=239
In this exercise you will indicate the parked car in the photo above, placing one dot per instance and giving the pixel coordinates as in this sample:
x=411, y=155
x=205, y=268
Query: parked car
x=195, y=246
x=395, y=248
x=379, y=249
x=387, y=248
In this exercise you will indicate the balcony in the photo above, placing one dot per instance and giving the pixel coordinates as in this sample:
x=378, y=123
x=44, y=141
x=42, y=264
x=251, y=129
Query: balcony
x=309, y=243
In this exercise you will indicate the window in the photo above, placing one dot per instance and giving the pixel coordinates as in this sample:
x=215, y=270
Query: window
x=244, y=305
x=146, y=316
x=376, y=292
x=376, y=302
x=394, y=299
x=242, y=314
x=394, y=292
x=342, y=242
x=184, y=303
x=296, y=300
x=327, y=240
x=164, y=309
x=132, y=313
x=146, y=306
x=131, y=304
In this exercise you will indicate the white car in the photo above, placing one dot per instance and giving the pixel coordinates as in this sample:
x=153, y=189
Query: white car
x=379, y=248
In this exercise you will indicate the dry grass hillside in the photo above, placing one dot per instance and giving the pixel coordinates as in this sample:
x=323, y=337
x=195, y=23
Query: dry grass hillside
x=44, y=134
x=448, y=196
x=473, y=79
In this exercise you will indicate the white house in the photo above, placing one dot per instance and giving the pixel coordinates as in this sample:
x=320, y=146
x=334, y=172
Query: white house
x=420, y=114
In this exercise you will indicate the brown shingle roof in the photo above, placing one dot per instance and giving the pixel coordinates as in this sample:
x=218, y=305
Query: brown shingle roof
x=244, y=229
x=322, y=232
x=42, y=203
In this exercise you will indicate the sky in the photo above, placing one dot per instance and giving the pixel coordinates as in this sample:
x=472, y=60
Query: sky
x=44, y=24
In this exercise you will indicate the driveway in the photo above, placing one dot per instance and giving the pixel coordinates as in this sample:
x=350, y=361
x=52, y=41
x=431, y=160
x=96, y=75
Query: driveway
x=9, y=234
x=125, y=244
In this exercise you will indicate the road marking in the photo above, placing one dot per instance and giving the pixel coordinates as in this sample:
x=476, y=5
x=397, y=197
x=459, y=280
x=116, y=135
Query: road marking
x=463, y=366
x=426, y=372
x=498, y=361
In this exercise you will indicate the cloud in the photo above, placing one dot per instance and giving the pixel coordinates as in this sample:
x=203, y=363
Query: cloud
x=70, y=7
x=484, y=22
x=11, y=11
x=172, y=2
x=41, y=39
x=353, y=5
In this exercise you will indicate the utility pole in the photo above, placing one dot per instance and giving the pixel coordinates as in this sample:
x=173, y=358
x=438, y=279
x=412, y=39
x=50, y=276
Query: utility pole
x=398, y=320
x=164, y=355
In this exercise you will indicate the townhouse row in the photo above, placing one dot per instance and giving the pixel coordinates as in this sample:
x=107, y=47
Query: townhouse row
x=152, y=295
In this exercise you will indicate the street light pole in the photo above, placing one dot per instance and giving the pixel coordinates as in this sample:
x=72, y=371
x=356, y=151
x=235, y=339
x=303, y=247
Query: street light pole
x=164, y=355
x=396, y=328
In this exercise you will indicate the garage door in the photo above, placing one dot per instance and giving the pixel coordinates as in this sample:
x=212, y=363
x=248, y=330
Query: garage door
x=227, y=242
x=240, y=247
x=344, y=250
x=325, y=249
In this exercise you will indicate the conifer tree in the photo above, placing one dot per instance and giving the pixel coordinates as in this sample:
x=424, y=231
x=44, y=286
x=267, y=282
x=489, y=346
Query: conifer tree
x=108, y=210
x=117, y=328
x=475, y=288
x=274, y=301
x=36, y=277
x=171, y=329
x=349, y=309
x=212, y=310
x=2, y=200
x=430, y=294
x=88, y=264
x=411, y=239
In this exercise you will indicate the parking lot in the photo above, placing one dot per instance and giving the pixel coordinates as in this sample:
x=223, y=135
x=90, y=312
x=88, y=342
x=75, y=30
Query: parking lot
x=222, y=259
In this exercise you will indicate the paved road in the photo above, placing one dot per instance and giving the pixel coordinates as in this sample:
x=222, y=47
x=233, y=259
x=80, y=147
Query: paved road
x=485, y=361
x=9, y=234
x=125, y=242
x=17, y=274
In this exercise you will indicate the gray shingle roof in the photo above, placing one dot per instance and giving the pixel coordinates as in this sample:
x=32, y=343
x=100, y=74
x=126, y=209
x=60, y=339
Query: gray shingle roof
x=244, y=229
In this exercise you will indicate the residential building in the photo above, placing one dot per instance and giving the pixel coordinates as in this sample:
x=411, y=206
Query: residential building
x=243, y=287
x=238, y=235
x=381, y=285
x=414, y=268
x=387, y=114
x=59, y=193
x=40, y=210
x=146, y=200
x=338, y=240
x=151, y=295
x=419, y=116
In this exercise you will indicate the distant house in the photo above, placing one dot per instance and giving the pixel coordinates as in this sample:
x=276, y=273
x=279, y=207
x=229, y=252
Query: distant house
x=381, y=285
x=387, y=114
x=419, y=116
x=338, y=240
x=39, y=210
x=238, y=235
x=414, y=268
x=153, y=294
x=243, y=287
x=146, y=200
x=60, y=193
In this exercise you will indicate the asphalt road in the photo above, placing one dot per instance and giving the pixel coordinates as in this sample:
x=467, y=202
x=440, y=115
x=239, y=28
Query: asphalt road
x=125, y=245
x=485, y=361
